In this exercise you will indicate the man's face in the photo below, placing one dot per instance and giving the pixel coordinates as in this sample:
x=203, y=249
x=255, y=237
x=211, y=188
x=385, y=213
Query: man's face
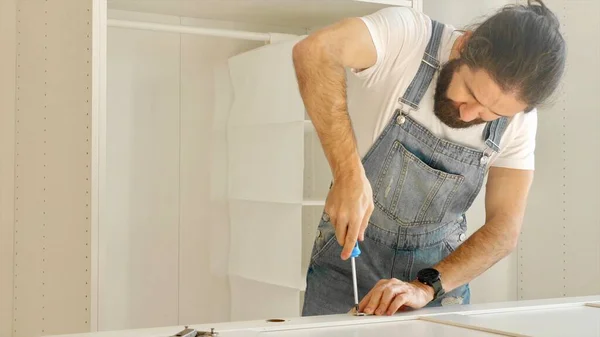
x=464, y=97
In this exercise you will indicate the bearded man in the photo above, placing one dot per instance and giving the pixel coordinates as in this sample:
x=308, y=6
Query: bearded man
x=438, y=111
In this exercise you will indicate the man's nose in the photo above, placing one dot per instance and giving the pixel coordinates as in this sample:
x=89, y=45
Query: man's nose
x=470, y=111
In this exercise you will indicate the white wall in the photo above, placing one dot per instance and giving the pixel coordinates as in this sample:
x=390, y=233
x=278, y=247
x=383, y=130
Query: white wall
x=164, y=239
x=8, y=34
x=462, y=13
x=561, y=238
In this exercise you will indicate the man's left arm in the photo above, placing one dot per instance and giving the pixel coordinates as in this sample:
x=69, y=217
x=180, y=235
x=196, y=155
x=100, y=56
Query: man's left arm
x=505, y=202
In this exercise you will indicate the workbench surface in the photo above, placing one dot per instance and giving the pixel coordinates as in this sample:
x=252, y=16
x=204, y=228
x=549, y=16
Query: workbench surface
x=560, y=317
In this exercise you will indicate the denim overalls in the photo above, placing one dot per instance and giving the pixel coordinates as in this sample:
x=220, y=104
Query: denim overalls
x=422, y=187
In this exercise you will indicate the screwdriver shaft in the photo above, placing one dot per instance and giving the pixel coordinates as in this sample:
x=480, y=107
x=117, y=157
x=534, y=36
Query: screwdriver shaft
x=354, y=282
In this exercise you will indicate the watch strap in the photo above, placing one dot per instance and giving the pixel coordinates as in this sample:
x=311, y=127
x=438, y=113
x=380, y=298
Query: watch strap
x=432, y=278
x=438, y=290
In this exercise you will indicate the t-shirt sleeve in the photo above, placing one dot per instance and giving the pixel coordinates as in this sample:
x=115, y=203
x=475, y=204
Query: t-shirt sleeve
x=397, y=34
x=519, y=151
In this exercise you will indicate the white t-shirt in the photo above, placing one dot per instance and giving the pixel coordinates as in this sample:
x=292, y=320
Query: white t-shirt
x=400, y=35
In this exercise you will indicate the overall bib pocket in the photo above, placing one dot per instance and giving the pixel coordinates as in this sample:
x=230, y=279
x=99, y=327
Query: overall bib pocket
x=411, y=192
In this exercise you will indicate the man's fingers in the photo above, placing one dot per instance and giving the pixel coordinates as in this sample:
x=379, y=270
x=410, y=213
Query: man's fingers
x=365, y=223
x=350, y=240
x=341, y=227
x=373, y=301
x=398, y=301
x=364, y=302
x=347, y=251
x=386, y=299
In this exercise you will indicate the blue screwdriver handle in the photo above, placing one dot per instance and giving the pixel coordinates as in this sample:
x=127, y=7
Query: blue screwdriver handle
x=355, y=251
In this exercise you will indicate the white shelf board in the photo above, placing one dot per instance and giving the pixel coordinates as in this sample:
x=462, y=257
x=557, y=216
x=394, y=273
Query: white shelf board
x=405, y=3
x=305, y=202
x=308, y=126
x=313, y=202
x=581, y=321
x=294, y=13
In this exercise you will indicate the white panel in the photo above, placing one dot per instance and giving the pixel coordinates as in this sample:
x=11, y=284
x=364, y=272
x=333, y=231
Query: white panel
x=8, y=21
x=562, y=232
x=68, y=184
x=53, y=188
x=541, y=249
x=474, y=320
x=206, y=96
x=582, y=226
x=251, y=296
x=140, y=225
x=198, y=95
x=581, y=321
x=288, y=13
x=28, y=223
x=265, y=242
x=403, y=328
x=408, y=3
x=266, y=127
x=98, y=141
x=219, y=180
x=265, y=86
x=266, y=162
x=463, y=13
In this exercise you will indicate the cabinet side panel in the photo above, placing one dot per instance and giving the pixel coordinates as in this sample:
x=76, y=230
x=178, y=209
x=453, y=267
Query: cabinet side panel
x=52, y=168
x=8, y=21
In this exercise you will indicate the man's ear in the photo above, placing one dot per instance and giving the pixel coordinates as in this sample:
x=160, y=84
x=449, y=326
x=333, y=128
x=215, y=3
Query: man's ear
x=464, y=39
x=460, y=43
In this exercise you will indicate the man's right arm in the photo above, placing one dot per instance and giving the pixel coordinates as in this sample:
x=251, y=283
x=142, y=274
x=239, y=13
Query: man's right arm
x=320, y=61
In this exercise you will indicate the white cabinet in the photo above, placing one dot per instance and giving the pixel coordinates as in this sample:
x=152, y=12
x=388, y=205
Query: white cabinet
x=213, y=178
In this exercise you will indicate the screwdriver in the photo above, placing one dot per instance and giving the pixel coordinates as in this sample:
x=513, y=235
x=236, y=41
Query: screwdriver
x=355, y=253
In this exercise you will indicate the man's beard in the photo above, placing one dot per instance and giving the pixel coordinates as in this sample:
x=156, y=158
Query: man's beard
x=444, y=108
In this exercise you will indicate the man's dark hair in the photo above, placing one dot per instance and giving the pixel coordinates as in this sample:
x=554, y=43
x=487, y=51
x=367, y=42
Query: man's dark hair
x=522, y=49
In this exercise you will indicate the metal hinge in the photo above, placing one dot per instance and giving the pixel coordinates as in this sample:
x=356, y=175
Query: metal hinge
x=187, y=332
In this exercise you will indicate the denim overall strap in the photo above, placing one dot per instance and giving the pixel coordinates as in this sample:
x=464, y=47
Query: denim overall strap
x=429, y=65
x=493, y=133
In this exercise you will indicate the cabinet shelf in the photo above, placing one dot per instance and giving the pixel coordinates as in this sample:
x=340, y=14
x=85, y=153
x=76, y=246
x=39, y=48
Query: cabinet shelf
x=308, y=126
x=313, y=202
x=290, y=13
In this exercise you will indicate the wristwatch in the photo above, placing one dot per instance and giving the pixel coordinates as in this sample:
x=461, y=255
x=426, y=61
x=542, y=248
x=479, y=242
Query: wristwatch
x=432, y=278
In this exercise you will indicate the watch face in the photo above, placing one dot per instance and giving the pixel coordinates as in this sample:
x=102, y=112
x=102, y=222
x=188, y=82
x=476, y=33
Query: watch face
x=428, y=275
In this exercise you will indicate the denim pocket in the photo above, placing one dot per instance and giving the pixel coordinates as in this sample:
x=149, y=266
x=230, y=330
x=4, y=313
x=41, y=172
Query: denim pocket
x=325, y=238
x=411, y=192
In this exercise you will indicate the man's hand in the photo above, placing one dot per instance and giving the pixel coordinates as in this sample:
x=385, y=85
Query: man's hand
x=389, y=296
x=349, y=206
